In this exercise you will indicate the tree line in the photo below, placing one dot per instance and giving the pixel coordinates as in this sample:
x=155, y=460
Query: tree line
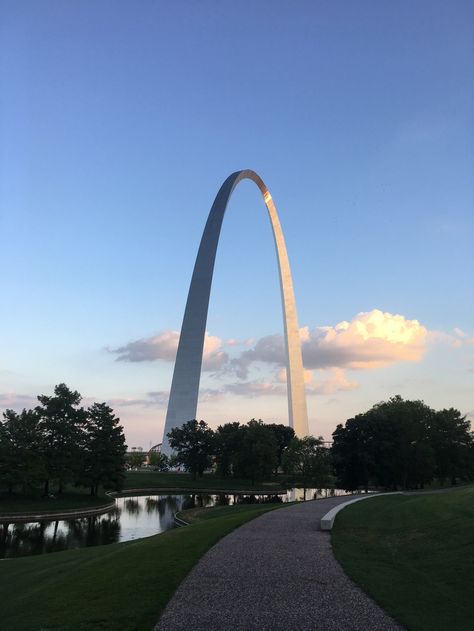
x=254, y=451
x=59, y=443
x=401, y=444
x=397, y=444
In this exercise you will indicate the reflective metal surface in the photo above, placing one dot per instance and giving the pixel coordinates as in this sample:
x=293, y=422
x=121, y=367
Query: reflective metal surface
x=184, y=392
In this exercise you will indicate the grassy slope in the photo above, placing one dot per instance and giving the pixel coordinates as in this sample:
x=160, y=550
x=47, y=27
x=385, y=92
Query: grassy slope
x=152, y=479
x=120, y=586
x=414, y=555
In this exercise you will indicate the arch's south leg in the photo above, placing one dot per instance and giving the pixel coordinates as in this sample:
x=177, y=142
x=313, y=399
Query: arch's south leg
x=184, y=392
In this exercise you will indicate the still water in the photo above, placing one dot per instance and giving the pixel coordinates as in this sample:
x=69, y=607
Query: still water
x=133, y=517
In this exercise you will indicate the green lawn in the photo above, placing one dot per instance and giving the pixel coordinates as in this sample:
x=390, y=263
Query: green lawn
x=34, y=502
x=120, y=586
x=152, y=479
x=414, y=555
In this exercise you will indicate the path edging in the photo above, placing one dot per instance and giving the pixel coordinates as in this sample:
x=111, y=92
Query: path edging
x=327, y=521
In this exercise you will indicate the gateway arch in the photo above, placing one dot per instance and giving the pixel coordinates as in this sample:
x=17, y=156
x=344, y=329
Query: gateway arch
x=184, y=392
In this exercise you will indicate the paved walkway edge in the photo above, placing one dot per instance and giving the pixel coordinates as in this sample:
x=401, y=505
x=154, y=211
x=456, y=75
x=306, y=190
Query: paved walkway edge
x=327, y=521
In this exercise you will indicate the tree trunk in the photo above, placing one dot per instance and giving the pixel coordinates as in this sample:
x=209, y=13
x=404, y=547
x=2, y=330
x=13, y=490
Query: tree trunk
x=60, y=487
x=46, y=487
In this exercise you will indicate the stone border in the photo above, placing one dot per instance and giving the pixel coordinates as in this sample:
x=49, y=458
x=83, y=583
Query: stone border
x=72, y=513
x=178, y=521
x=182, y=491
x=327, y=521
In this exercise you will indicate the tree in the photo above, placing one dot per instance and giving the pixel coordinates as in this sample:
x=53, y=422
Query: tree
x=228, y=439
x=21, y=449
x=158, y=461
x=105, y=449
x=135, y=459
x=283, y=436
x=193, y=443
x=453, y=444
x=306, y=460
x=257, y=454
x=63, y=428
x=402, y=444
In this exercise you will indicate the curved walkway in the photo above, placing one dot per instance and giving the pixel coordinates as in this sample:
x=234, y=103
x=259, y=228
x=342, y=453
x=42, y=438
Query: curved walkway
x=274, y=573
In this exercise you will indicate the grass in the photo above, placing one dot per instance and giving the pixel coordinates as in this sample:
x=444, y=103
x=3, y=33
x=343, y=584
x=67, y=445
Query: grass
x=120, y=586
x=414, y=555
x=34, y=502
x=152, y=479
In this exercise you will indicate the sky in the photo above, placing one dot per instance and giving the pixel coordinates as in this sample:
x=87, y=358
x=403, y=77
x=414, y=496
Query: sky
x=118, y=123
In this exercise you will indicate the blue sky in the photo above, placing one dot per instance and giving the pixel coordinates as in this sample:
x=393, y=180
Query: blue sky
x=118, y=123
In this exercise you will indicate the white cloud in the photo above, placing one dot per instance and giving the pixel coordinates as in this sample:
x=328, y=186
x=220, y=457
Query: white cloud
x=370, y=340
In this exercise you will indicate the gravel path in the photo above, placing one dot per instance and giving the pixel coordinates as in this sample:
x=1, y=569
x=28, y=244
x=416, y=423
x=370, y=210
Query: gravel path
x=274, y=573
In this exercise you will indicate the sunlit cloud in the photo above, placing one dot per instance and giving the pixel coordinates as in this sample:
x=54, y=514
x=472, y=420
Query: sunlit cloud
x=370, y=340
x=323, y=381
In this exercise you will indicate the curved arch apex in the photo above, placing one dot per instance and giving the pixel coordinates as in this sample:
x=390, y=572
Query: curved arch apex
x=182, y=404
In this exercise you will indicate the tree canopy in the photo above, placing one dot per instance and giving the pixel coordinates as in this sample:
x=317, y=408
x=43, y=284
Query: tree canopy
x=59, y=442
x=307, y=462
x=401, y=444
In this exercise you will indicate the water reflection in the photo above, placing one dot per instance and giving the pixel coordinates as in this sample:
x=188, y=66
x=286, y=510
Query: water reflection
x=132, y=517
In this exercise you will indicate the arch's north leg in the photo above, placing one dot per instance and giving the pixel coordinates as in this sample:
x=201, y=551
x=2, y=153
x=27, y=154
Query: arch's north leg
x=184, y=392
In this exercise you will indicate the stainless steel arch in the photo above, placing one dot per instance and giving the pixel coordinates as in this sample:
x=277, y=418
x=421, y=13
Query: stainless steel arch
x=184, y=392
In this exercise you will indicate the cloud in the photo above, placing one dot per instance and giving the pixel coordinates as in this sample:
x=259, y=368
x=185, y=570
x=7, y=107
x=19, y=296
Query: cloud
x=164, y=345
x=337, y=381
x=151, y=399
x=330, y=380
x=254, y=388
x=457, y=338
x=370, y=340
x=11, y=400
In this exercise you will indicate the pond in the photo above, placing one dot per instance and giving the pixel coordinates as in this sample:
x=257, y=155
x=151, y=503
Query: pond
x=133, y=517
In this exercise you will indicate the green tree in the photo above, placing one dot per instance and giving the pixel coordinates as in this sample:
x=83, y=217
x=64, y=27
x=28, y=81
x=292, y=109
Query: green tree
x=135, y=459
x=63, y=428
x=283, y=436
x=402, y=444
x=194, y=445
x=453, y=444
x=158, y=461
x=105, y=449
x=257, y=454
x=307, y=462
x=21, y=449
x=228, y=439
